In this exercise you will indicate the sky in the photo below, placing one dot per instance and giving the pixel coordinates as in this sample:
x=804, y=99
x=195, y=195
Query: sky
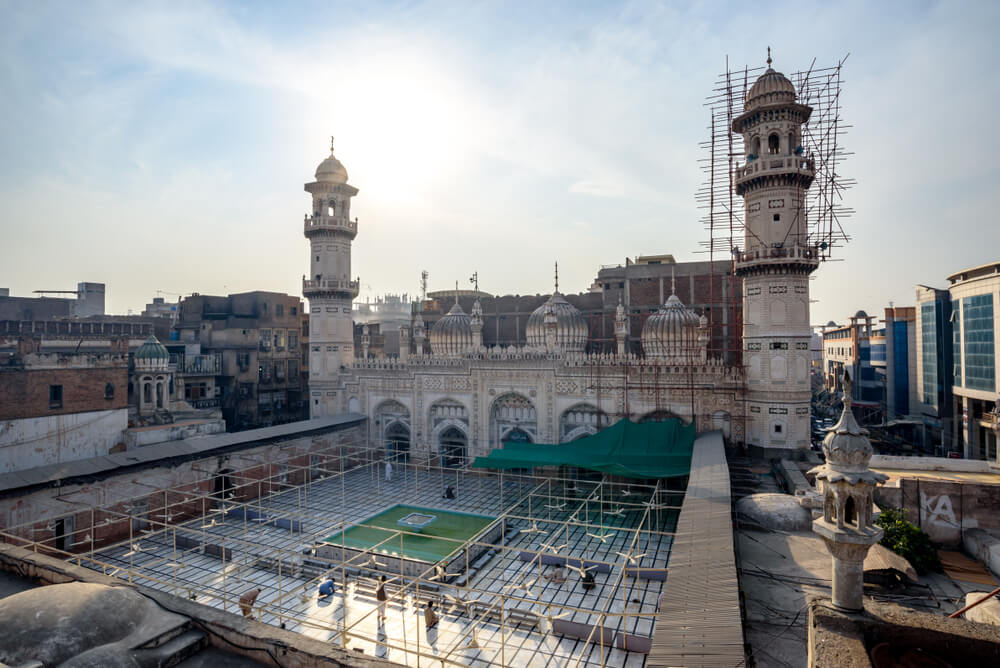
x=162, y=148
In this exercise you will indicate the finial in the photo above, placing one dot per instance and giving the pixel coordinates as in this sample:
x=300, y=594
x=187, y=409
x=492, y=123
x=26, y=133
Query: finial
x=769, y=57
x=331, y=144
x=673, y=289
x=847, y=389
x=456, y=293
x=557, y=277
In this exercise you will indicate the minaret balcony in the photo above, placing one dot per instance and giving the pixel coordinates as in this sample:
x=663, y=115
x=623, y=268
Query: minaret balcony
x=330, y=286
x=316, y=224
x=785, y=255
x=775, y=165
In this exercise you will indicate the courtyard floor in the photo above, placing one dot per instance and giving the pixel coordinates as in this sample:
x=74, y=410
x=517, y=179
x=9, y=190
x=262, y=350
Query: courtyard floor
x=616, y=524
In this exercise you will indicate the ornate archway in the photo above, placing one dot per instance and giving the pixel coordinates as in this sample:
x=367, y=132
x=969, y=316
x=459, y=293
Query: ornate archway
x=512, y=412
x=392, y=429
x=580, y=420
x=660, y=416
x=453, y=444
x=397, y=442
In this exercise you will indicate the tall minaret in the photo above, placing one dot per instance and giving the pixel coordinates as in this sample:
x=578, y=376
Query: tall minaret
x=329, y=287
x=775, y=262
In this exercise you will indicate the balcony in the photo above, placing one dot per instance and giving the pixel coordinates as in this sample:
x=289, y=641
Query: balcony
x=201, y=365
x=313, y=224
x=765, y=166
x=783, y=255
x=329, y=285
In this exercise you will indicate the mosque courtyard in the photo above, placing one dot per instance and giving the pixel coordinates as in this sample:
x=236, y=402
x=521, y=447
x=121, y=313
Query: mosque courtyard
x=497, y=594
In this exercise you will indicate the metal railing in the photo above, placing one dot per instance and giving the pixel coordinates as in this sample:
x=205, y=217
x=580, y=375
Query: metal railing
x=314, y=223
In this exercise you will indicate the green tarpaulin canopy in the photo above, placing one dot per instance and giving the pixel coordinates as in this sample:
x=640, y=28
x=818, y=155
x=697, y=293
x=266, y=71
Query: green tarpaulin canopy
x=644, y=450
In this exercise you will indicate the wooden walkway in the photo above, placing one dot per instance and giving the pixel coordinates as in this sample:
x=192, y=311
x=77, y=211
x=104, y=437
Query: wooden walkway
x=699, y=621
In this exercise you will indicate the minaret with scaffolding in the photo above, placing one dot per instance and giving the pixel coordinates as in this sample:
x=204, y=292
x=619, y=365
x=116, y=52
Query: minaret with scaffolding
x=775, y=262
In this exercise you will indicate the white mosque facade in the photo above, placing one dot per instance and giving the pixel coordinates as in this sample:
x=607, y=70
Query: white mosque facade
x=447, y=395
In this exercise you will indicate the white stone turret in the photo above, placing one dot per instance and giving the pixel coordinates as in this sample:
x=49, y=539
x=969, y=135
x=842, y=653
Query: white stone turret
x=775, y=262
x=329, y=287
x=476, y=324
x=621, y=327
x=404, y=342
x=419, y=334
x=366, y=341
x=847, y=486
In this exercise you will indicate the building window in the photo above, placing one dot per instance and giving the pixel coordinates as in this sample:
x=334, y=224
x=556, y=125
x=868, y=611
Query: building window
x=279, y=340
x=779, y=345
x=55, y=396
x=956, y=340
x=294, y=310
x=293, y=371
x=109, y=391
x=279, y=310
x=265, y=340
x=977, y=320
x=293, y=339
x=777, y=218
x=772, y=144
x=928, y=353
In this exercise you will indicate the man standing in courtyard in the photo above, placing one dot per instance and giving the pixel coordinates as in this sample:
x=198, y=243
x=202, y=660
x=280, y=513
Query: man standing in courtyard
x=380, y=597
x=388, y=471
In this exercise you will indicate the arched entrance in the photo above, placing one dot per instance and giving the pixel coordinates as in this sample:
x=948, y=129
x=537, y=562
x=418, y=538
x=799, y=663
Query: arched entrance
x=397, y=442
x=454, y=447
x=518, y=435
x=512, y=417
x=659, y=416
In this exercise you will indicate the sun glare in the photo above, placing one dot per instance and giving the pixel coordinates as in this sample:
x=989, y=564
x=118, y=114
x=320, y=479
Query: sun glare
x=412, y=124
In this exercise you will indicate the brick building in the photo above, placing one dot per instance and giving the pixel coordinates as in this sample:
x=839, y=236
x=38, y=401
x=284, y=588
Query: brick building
x=59, y=407
x=259, y=339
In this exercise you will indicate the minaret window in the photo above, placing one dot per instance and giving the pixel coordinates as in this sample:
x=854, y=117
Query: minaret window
x=755, y=147
x=331, y=208
x=772, y=144
x=791, y=142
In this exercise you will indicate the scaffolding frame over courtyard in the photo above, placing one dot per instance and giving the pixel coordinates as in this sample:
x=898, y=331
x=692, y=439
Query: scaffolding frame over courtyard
x=257, y=524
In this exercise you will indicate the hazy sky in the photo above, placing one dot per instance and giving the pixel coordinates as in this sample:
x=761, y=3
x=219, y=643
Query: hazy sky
x=163, y=146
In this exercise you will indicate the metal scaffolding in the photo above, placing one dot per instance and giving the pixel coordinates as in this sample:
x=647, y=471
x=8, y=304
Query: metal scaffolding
x=258, y=524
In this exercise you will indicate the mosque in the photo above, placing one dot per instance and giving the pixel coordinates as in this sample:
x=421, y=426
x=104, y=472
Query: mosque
x=447, y=395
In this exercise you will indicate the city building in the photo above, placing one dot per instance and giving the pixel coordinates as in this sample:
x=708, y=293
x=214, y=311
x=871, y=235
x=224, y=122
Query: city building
x=935, y=369
x=975, y=322
x=88, y=301
x=454, y=392
x=849, y=347
x=900, y=367
x=160, y=308
x=61, y=406
x=244, y=354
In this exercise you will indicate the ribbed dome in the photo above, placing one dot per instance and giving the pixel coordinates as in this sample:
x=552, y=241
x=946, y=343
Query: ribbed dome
x=451, y=336
x=770, y=88
x=671, y=332
x=571, y=329
x=331, y=170
x=152, y=349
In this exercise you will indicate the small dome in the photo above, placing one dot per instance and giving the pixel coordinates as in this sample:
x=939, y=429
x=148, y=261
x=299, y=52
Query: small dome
x=770, y=88
x=451, y=336
x=152, y=349
x=570, y=326
x=831, y=324
x=331, y=170
x=671, y=332
x=860, y=314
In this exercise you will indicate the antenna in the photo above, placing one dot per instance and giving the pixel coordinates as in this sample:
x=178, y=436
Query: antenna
x=474, y=279
x=423, y=285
